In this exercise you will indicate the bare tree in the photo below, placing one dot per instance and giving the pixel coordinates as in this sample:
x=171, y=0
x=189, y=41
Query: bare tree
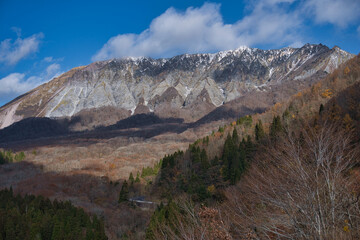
x=194, y=223
x=301, y=188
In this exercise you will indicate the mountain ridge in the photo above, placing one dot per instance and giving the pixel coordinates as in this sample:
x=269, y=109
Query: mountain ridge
x=173, y=87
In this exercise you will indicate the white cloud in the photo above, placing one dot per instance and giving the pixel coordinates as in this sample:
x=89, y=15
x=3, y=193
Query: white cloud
x=48, y=59
x=203, y=30
x=11, y=52
x=338, y=12
x=52, y=69
x=16, y=84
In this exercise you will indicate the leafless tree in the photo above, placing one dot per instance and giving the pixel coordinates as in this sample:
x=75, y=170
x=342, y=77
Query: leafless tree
x=301, y=188
x=194, y=223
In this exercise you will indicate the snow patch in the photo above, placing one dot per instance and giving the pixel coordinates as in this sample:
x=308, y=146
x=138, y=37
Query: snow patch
x=221, y=55
x=271, y=72
x=188, y=91
x=133, y=110
x=211, y=56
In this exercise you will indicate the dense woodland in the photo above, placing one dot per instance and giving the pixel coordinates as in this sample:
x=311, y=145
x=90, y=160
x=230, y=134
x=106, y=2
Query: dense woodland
x=36, y=217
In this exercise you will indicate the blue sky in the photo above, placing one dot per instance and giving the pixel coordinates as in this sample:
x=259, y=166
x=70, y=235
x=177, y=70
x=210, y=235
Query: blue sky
x=42, y=39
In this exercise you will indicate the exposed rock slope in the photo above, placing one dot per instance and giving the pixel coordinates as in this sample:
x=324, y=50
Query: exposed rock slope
x=174, y=87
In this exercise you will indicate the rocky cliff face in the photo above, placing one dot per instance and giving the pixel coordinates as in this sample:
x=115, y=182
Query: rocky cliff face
x=187, y=86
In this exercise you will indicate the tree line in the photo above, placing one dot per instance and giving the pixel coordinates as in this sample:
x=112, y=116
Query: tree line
x=36, y=217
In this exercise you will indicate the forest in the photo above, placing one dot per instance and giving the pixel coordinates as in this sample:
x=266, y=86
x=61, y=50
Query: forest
x=36, y=217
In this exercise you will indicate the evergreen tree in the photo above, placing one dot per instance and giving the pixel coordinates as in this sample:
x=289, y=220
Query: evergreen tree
x=227, y=156
x=195, y=154
x=276, y=127
x=235, y=136
x=249, y=144
x=137, y=179
x=58, y=230
x=124, y=192
x=259, y=131
x=204, y=160
x=131, y=178
x=33, y=217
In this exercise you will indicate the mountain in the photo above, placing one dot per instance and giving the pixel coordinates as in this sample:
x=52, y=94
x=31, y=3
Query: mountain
x=176, y=87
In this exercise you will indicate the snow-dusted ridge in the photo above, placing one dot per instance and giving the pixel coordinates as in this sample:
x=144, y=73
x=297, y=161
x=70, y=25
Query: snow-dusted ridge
x=180, y=81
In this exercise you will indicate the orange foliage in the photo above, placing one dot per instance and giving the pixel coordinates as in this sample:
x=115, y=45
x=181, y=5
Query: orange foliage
x=346, y=70
x=327, y=93
x=218, y=134
x=112, y=166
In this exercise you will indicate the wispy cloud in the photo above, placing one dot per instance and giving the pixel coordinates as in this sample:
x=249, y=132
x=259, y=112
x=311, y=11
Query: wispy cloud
x=203, y=30
x=12, y=51
x=48, y=59
x=52, y=69
x=338, y=12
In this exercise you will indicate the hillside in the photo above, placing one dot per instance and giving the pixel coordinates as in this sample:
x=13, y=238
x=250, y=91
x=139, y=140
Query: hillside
x=267, y=158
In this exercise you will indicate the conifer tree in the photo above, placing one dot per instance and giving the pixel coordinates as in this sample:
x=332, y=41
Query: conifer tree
x=131, y=178
x=259, y=131
x=227, y=156
x=249, y=144
x=57, y=230
x=137, y=179
x=276, y=127
x=124, y=192
x=235, y=136
x=204, y=159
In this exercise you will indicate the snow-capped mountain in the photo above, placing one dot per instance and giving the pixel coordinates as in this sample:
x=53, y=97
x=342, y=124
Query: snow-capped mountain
x=186, y=86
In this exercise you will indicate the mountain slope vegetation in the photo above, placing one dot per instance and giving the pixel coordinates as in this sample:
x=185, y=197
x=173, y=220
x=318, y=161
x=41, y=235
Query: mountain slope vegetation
x=294, y=172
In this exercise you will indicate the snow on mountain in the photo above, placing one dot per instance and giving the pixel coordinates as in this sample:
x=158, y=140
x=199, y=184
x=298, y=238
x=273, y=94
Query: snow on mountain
x=180, y=82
